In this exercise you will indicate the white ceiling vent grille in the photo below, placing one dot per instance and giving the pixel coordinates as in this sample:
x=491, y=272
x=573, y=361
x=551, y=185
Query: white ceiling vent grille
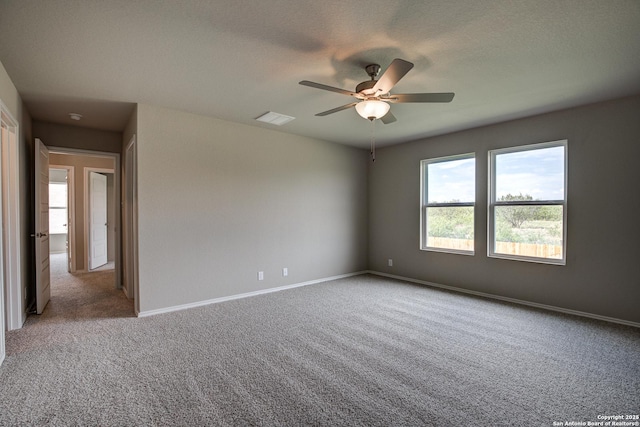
x=274, y=118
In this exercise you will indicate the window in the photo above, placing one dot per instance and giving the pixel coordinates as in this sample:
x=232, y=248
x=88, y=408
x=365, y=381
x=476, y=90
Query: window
x=448, y=200
x=527, y=202
x=57, y=208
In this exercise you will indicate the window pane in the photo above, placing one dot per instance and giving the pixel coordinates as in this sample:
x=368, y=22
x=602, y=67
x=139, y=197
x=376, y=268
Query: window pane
x=530, y=175
x=530, y=231
x=57, y=221
x=57, y=195
x=450, y=227
x=451, y=181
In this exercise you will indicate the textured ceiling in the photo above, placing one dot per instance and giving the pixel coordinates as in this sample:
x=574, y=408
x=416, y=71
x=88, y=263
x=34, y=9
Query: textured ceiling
x=238, y=59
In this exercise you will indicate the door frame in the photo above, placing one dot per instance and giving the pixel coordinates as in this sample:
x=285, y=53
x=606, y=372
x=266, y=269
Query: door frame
x=87, y=211
x=71, y=214
x=117, y=200
x=13, y=310
x=130, y=231
x=2, y=279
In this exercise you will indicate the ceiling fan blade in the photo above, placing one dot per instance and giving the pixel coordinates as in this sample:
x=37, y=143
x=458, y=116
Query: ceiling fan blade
x=419, y=97
x=388, y=118
x=393, y=74
x=325, y=87
x=335, y=110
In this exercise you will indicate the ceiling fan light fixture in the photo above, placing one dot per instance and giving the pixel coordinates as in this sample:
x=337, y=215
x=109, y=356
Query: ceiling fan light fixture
x=372, y=109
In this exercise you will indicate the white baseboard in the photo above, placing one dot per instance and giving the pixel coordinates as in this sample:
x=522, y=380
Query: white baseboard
x=245, y=295
x=512, y=300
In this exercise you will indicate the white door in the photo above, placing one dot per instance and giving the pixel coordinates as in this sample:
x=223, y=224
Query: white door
x=43, y=276
x=97, y=220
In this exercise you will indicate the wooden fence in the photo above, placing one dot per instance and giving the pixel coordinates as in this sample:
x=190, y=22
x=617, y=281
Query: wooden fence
x=509, y=248
x=445, y=242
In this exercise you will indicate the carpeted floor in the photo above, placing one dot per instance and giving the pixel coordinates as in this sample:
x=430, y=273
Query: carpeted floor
x=76, y=301
x=359, y=351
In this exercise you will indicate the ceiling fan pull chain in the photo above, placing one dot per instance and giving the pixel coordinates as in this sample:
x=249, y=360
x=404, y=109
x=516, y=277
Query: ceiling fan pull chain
x=373, y=140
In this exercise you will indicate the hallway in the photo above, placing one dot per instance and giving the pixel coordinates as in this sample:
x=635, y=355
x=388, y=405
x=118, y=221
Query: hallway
x=77, y=302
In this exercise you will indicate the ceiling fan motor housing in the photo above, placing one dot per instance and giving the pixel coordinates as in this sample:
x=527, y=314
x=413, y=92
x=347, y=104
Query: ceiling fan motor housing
x=364, y=86
x=372, y=70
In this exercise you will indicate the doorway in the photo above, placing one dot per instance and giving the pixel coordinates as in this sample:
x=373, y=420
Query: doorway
x=61, y=213
x=73, y=205
x=81, y=164
x=80, y=292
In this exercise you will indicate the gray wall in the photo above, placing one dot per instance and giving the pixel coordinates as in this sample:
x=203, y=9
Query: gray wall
x=57, y=243
x=602, y=274
x=57, y=135
x=219, y=201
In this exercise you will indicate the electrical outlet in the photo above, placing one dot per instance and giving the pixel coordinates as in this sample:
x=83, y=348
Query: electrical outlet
x=260, y=275
x=285, y=272
x=390, y=262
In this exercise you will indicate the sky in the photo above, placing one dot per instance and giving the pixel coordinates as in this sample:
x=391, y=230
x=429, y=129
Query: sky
x=451, y=180
x=539, y=173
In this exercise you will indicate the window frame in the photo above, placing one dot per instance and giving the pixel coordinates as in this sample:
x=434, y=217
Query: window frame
x=492, y=203
x=424, y=205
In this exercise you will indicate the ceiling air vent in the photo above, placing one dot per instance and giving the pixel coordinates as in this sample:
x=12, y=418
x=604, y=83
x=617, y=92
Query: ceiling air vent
x=274, y=118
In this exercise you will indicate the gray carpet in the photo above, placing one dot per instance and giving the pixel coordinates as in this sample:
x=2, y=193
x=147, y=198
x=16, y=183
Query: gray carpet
x=358, y=351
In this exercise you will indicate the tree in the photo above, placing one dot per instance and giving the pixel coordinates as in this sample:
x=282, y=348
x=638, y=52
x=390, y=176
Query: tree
x=455, y=222
x=516, y=215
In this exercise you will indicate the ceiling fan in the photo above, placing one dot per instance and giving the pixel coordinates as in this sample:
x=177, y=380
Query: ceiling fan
x=373, y=96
